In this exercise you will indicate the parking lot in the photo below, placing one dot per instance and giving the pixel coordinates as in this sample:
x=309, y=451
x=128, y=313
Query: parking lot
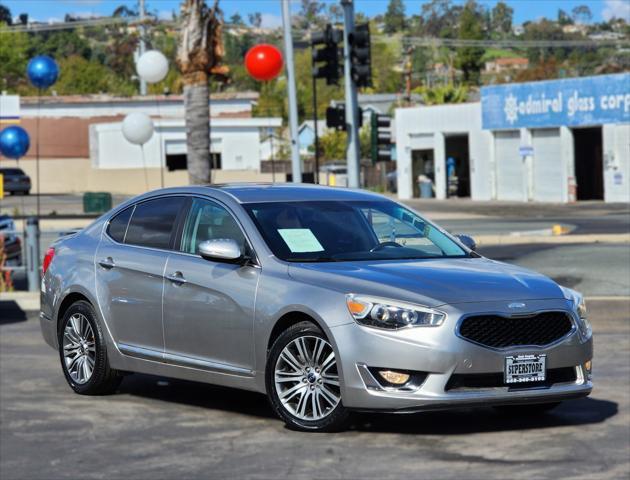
x=161, y=428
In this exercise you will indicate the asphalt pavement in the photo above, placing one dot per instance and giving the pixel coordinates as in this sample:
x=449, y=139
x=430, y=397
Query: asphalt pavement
x=158, y=428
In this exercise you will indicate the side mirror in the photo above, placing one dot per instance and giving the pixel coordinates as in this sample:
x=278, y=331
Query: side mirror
x=220, y=250
x=468, y=241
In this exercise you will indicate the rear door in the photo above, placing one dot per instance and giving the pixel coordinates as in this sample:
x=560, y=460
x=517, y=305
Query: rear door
x=209, y=306
x=130, y=263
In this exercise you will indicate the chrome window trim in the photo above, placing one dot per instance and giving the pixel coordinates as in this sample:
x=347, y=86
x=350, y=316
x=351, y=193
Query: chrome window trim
x=256, y=262
x=569, y=313
x=175, y=250
x=134, y=205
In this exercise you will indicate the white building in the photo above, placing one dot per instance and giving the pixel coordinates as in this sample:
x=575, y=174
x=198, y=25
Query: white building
x=81, y=145
x=553, y=141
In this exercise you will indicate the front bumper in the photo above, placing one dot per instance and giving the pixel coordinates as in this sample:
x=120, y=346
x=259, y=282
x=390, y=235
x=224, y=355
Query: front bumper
x=440, y=353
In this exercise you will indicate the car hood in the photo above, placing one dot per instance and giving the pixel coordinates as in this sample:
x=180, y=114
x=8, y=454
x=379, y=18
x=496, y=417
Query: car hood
x=431, y=282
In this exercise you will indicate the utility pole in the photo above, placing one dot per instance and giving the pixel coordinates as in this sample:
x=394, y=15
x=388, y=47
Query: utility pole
x=296, y=164
x=353, y=150
x=142, y=44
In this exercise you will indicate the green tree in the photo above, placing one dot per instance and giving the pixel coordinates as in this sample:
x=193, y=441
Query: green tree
x=255, y=19
x=502, y=15
x=469, y=58
x=79, y=76
x=395, y=16
x=581, y=14
x=438, y=18
x=333, y=145
x=237, y=20
x=5, y=15
x=59, y=44
x=564, y=18
x=13, y=59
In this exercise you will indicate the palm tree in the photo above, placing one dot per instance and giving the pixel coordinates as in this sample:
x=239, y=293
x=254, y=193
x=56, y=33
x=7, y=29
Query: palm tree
x=198, y=56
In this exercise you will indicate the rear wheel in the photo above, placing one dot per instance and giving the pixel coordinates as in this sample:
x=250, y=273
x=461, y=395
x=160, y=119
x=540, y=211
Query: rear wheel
x=531, y=409
x=303, y=381
x=83, y=352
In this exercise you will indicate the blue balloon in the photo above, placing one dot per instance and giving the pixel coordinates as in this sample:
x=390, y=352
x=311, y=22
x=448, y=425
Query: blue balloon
x=42, y=71
x=14, y=142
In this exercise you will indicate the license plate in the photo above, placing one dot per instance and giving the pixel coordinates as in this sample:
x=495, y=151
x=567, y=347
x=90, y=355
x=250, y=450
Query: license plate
x=525, y=368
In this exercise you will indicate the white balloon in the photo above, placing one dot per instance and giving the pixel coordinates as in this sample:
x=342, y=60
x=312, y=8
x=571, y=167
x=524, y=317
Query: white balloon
x=137, y=128
x=152, y=66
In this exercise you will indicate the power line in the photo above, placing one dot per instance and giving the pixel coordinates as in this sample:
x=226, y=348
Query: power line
x=407, y=41
x=506, y=43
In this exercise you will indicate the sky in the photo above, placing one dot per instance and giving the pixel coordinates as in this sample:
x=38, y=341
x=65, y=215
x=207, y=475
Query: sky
x=524, y=10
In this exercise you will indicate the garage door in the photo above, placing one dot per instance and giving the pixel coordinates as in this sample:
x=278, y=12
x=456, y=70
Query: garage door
x=548, y=171
x=510, y=171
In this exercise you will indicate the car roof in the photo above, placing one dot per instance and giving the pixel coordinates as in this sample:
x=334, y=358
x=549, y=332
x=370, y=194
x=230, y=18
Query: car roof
x=291, y=192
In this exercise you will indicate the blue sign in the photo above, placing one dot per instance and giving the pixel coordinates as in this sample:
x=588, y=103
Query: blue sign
x=570, y=102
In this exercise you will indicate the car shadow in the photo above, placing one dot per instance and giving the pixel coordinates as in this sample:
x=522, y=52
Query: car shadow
x=452, y=422
x=197, y=394
x=10, y=312
x=484, y=420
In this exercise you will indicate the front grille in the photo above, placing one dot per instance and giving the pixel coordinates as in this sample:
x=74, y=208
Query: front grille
x=468, y=381
x=501, y=332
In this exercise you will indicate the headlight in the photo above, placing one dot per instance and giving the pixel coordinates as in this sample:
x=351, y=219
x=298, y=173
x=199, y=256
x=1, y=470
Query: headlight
x=579, y=305
x=390, y=314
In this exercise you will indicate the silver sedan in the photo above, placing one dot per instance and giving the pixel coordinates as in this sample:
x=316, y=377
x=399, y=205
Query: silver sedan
x=328, y=300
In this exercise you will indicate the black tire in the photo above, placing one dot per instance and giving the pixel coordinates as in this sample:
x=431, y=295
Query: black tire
x=527, y=409
x=104, y=380
x=335, y=420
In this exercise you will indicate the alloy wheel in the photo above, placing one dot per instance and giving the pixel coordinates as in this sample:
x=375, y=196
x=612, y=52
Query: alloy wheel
x=306, y=378
x=79, y=348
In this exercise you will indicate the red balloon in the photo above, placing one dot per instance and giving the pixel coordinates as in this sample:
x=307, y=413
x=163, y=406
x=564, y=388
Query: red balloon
x=264, y=62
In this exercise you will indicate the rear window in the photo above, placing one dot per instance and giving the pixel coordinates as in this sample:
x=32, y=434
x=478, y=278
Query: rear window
x=153, y=222
x=118, y=225
x=12, y=171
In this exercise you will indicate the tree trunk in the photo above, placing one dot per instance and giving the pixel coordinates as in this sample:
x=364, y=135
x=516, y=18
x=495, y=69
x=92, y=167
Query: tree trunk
x=197, y=114
x=200, y=50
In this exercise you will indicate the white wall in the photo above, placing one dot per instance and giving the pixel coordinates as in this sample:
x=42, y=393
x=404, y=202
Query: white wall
x=545, y=176
x=426, y=128
x=238, y=141
x=86, y=107
x=616, y=163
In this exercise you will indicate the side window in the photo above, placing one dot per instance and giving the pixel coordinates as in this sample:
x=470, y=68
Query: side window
x=118, y=225
x=153, y=222
x=209, y=221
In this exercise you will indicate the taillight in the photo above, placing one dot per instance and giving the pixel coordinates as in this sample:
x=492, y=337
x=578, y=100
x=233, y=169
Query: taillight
x=50, y=253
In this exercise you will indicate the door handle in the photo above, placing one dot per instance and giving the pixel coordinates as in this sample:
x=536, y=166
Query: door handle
x=177, y=278
x=107, y=263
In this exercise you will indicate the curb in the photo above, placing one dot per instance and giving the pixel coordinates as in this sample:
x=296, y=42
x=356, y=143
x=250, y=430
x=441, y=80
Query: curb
x=493, y=240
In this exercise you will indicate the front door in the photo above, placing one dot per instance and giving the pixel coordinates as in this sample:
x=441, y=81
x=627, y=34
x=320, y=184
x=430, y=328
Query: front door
x=130, y=264
x=209, y=306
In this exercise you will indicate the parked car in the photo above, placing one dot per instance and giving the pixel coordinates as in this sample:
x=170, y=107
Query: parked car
x=15, y=181
x=12, y=243
x=329, y=300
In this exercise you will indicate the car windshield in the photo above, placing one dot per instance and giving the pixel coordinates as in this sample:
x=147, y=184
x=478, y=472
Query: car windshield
x=332, y=231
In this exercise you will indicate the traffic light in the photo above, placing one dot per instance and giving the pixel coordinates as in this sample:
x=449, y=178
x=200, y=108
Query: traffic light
x=381, y=138
x=336, y=117
x=360, y=56
x=326, y=59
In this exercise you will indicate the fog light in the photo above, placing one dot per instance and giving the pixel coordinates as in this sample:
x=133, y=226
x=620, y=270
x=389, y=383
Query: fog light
x=396, y=378
x=588, y=366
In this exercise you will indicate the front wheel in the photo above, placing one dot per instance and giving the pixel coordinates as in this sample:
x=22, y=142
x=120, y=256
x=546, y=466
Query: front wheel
x=303, y=381
x=83, y=352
